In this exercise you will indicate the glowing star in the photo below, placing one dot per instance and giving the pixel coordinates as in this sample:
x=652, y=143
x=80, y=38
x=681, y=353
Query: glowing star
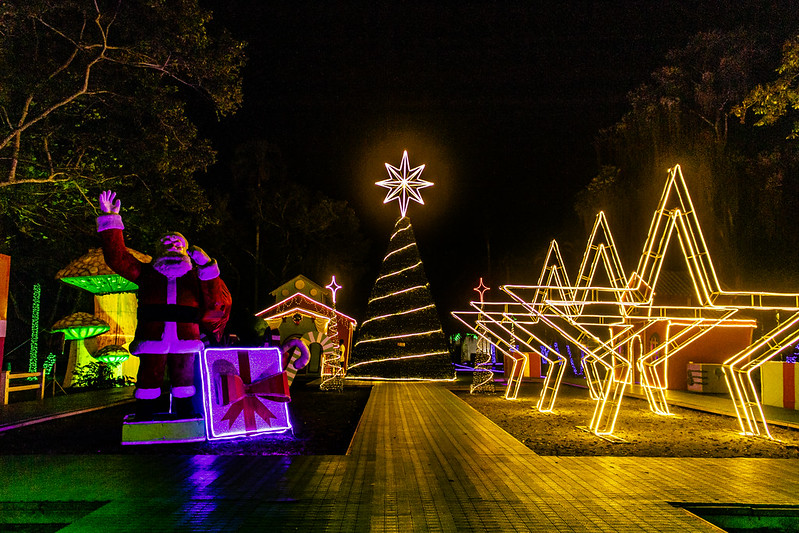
x=481, y=289
x=334, y=287
x=404, y=184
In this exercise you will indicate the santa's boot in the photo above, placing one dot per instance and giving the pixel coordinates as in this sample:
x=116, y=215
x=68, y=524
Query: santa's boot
x=183, y=402
x=145, y=410
x=183, y=408
x=146, y=404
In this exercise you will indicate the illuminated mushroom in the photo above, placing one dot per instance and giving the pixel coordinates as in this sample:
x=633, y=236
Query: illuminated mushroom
x=90, y=272
x=114, y=301
x=78, y=327
x=113, y=354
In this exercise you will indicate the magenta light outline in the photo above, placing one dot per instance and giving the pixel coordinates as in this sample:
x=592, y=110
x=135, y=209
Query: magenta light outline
x=159, y=441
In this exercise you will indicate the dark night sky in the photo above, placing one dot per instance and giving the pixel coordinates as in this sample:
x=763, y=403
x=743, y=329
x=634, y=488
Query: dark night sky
x=500, y=100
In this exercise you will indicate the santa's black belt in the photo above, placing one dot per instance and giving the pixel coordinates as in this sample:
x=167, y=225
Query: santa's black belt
x=168, y=313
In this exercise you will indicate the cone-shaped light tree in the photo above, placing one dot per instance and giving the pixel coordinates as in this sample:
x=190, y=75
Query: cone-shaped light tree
x=401, y=337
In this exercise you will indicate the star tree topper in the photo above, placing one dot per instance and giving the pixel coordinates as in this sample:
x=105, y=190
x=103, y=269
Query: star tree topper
x=404, y=184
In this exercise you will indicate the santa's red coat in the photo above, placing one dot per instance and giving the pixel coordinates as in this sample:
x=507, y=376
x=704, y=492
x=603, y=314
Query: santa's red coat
x=171, y=312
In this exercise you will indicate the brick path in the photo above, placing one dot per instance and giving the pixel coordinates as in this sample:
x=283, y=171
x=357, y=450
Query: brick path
x=421, y=460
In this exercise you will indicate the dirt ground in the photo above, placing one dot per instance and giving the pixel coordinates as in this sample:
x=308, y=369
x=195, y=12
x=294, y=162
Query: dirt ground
x=687, y=433
x=324, y=423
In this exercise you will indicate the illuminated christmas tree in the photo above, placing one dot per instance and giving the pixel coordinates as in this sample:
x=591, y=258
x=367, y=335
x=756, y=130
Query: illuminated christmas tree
x=402, y=337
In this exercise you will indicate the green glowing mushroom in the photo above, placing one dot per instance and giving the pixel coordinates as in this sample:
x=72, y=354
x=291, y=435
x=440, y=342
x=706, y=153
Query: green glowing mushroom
x=113, y=354
x=90, y=272
x=79, y=326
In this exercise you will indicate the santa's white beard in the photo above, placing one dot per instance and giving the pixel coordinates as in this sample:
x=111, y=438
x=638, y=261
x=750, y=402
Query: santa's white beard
x=172, y=266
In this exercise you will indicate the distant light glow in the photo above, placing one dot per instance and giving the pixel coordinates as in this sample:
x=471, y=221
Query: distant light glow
x=404, y=184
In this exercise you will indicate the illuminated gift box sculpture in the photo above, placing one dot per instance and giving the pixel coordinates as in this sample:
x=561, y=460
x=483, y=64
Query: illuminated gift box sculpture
x=778, y=383
x=245, y=392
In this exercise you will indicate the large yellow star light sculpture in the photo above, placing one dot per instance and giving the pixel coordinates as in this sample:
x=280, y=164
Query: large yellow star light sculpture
x=606, y=319
x=404, y=184
x=584, y=314
x=676, y=214
x=625, y=309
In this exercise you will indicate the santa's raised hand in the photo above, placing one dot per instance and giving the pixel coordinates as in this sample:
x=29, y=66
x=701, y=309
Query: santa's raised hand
x=109, y=203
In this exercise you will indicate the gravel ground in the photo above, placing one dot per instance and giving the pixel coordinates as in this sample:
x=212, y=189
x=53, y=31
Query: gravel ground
x=688, y=433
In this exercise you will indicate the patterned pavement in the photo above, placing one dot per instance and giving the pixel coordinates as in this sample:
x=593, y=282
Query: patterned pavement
x=421, y=460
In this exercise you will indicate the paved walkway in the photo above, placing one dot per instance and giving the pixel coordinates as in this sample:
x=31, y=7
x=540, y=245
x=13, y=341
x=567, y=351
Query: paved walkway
x=421, y=460
x=18, y=414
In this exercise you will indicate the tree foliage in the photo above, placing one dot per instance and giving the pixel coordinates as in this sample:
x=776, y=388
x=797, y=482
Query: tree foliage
x=778, y=98
x=96, y=94
x=93, y=95
x=273, y=228
x=738, y=177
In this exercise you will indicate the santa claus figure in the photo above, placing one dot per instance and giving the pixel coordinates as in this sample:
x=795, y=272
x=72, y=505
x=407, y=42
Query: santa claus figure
x=181, y=297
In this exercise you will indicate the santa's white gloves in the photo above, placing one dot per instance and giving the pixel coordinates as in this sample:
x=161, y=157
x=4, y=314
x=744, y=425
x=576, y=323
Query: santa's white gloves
x=207, y=268
x=199, y=256
x=109, y=203
x=110, y=218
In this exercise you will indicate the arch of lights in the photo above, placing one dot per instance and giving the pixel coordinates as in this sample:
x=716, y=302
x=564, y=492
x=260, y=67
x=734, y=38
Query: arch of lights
x=607, y=320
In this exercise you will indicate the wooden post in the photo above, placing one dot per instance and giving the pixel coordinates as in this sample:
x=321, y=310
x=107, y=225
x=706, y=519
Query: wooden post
x=5, y=381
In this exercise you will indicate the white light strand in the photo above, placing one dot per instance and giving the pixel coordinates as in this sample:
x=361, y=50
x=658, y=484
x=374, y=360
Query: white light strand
x=406, y=228
x=407, y=335
x=409, y=311
x=415, y=287
x=398, y=271
x=399, y=250
x=415, y=356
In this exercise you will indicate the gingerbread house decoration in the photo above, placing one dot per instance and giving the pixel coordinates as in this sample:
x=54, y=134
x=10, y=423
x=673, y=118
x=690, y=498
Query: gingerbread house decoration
x=304, y=310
